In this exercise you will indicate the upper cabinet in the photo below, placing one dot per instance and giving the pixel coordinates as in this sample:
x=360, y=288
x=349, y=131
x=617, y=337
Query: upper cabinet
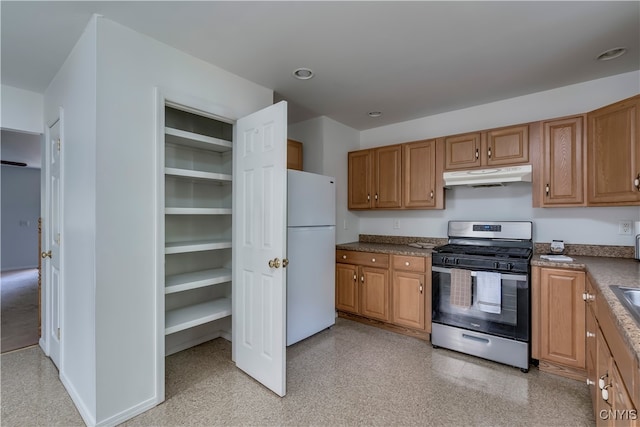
x=613, y=154
x=294, y=154
x=561, y=169
x=404, y=176
x=496, y=147
x=375, y=178
x=422, y=182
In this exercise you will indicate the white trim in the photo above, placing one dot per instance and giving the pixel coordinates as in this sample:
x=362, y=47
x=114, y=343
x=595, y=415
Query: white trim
x=85, y=413
x=127, y=414
x=194, y=342
x=61, y=286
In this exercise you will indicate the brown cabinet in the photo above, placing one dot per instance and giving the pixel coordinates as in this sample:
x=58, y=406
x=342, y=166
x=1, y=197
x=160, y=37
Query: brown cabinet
x=422, y=184
x=375, y=178
x=294, y=154
x=362, y=284
x=613, y=153
x=411, y=292
x=562, y=167
x=496, y=147
x=558, y=319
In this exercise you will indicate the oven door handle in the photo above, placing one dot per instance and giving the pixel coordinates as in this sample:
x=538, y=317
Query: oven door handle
x=516, y=277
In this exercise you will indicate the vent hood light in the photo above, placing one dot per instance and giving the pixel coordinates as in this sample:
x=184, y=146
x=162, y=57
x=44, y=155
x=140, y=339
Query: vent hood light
x=488, y=177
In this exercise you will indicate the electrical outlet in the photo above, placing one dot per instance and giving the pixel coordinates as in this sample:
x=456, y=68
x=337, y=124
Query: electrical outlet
x=625, y=227
x=396, y=223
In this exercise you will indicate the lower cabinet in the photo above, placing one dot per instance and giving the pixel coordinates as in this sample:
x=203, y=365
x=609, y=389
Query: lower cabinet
x=558, y=320
x=393, y=292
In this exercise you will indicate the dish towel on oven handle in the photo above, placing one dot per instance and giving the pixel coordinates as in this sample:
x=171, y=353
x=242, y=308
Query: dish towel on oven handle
x=489, y=291
x=460, y=288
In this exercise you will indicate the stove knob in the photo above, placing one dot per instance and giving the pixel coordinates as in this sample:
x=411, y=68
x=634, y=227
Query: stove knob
x=509, y=266
x=496, y=264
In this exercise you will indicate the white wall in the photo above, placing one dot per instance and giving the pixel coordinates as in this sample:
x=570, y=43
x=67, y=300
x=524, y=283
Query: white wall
x=74, y=89
x=21, y=110
x=130, y=66
x=511, y=202
x=20, y=211
x=325, y=147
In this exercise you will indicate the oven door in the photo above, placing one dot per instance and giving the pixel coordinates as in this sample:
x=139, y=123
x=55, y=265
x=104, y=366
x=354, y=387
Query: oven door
x=512, y=321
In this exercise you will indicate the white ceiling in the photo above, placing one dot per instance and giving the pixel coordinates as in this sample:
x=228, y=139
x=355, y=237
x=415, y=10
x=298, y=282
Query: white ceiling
x=405, y=59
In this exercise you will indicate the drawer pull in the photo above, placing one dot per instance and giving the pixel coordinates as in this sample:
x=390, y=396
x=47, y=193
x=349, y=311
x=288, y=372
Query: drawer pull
x=373, y=260
x=344, y=257
x=407, y=263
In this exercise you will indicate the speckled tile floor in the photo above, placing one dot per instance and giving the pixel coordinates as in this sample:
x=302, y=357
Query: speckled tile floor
x=351, y=374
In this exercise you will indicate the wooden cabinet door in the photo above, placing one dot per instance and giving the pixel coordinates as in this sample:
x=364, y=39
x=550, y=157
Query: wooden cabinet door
x=562, y=157
x=507, y=146
x=347, y=295
x=562, y=317
x=462, y=151
x=602, y=371
x=388, y=177
x=591, y=358
x=408, y=299
x=294, y=154
x=360, y=185
x=374, y=293
x=422, y=170
x=613, y=153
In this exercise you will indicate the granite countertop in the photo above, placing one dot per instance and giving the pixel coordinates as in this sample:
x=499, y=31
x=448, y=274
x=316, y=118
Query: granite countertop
x=606, y=272
x=384, y=248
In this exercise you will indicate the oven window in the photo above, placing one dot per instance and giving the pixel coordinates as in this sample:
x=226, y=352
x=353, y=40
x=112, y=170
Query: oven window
x=511, y=322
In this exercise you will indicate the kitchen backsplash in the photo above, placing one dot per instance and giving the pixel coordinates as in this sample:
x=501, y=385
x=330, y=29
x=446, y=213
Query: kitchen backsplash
x=539, y=248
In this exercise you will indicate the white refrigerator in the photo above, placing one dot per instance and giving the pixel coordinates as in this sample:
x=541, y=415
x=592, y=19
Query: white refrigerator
x=311, y=246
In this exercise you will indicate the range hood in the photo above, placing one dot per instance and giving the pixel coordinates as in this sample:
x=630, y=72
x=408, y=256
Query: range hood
x=488, y=177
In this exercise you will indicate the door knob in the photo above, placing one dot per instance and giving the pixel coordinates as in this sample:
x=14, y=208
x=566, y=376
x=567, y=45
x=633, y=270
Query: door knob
x=285, y=262
x=46, y=254
x=274, y=263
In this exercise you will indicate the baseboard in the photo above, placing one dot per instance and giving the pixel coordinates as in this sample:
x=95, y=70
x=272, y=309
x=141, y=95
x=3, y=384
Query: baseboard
x=563, y=371
x=88, y=418
x=130, y=413
x=226, y=335
x=183, y=345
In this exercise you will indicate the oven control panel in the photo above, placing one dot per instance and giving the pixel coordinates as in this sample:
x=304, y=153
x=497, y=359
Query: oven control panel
x=487, y=227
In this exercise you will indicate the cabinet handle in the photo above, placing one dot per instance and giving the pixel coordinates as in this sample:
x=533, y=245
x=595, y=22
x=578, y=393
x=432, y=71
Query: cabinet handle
x=355, y=278
x=489, y=153
x=477, y=154
x=406, y=263
x=546, y=189
x=362, y=278
x=591, y=298
x=590, y=335
x=431, y=194
x=636, y=182
x=344, y=257
x=373, y=260
x=589, y=382
x=584, y=296
x=605, y=393
x=376, y=196
x=368, y=197
x=420, y=287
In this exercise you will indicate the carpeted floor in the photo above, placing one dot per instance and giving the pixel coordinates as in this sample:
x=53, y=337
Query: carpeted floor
x=19, y=309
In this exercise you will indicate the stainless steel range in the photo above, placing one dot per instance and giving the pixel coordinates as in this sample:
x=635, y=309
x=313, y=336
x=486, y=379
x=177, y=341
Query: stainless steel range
x=481, y=291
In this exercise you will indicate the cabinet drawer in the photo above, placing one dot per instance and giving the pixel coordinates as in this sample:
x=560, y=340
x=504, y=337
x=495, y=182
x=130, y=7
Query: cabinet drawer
x=371, y=259
x=409, y=263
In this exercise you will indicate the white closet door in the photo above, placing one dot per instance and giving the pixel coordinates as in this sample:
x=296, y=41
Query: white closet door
x=259, y=236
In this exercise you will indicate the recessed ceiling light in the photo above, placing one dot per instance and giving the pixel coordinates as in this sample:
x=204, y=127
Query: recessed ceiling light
x=374, y=113
x=611, y=53
x=302, y=73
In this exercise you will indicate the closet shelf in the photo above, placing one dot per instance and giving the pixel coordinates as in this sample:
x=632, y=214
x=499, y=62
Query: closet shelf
x=196, y=140
x=196, y=246
x=196, y=279
x=197, y=175
x=197, y=211
x=194, y=315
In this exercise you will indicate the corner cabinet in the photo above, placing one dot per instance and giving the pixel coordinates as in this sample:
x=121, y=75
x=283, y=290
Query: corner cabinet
x=198, y=194
x=614, y=154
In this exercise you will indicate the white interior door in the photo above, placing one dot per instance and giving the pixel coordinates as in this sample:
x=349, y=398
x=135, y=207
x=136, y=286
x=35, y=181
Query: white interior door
x=51, y=247
x=259, y=236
